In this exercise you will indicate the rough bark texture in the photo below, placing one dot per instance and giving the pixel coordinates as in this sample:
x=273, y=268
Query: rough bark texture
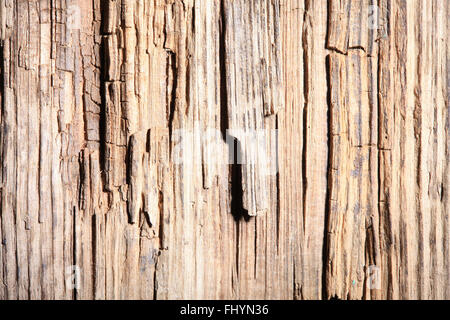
x=94, y=94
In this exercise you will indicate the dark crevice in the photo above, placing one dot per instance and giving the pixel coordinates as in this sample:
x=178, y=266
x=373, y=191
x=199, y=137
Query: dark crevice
x=173, y=95
x=155, y=278
x=128, y=160
x=161, y=219
x=278, y=208
x=84, y=94
x=305, y=116
x=193, y=19
x=334, y=49
x=155, y=287
x=188, y=87
x=325, y=247
x=94, y=251
x=2, y=106
x=237, y=247
x=294, y=283
x=104, y=63
x=255, y=263
x=104, y=16
x=82, y=180
x=144, y=217
x=237, y=209
x=224, y=125
x=327, y=31
x=74, y=249
x=148, y=141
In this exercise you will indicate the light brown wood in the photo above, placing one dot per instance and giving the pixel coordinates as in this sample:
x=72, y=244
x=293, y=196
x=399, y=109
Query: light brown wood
x=129, y=168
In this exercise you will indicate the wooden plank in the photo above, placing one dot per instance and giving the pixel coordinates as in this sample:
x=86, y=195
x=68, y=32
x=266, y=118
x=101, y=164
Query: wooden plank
x=224, y=149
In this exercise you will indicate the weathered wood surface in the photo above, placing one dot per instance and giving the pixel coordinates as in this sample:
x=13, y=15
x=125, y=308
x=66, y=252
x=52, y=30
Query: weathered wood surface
x=108, y=167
